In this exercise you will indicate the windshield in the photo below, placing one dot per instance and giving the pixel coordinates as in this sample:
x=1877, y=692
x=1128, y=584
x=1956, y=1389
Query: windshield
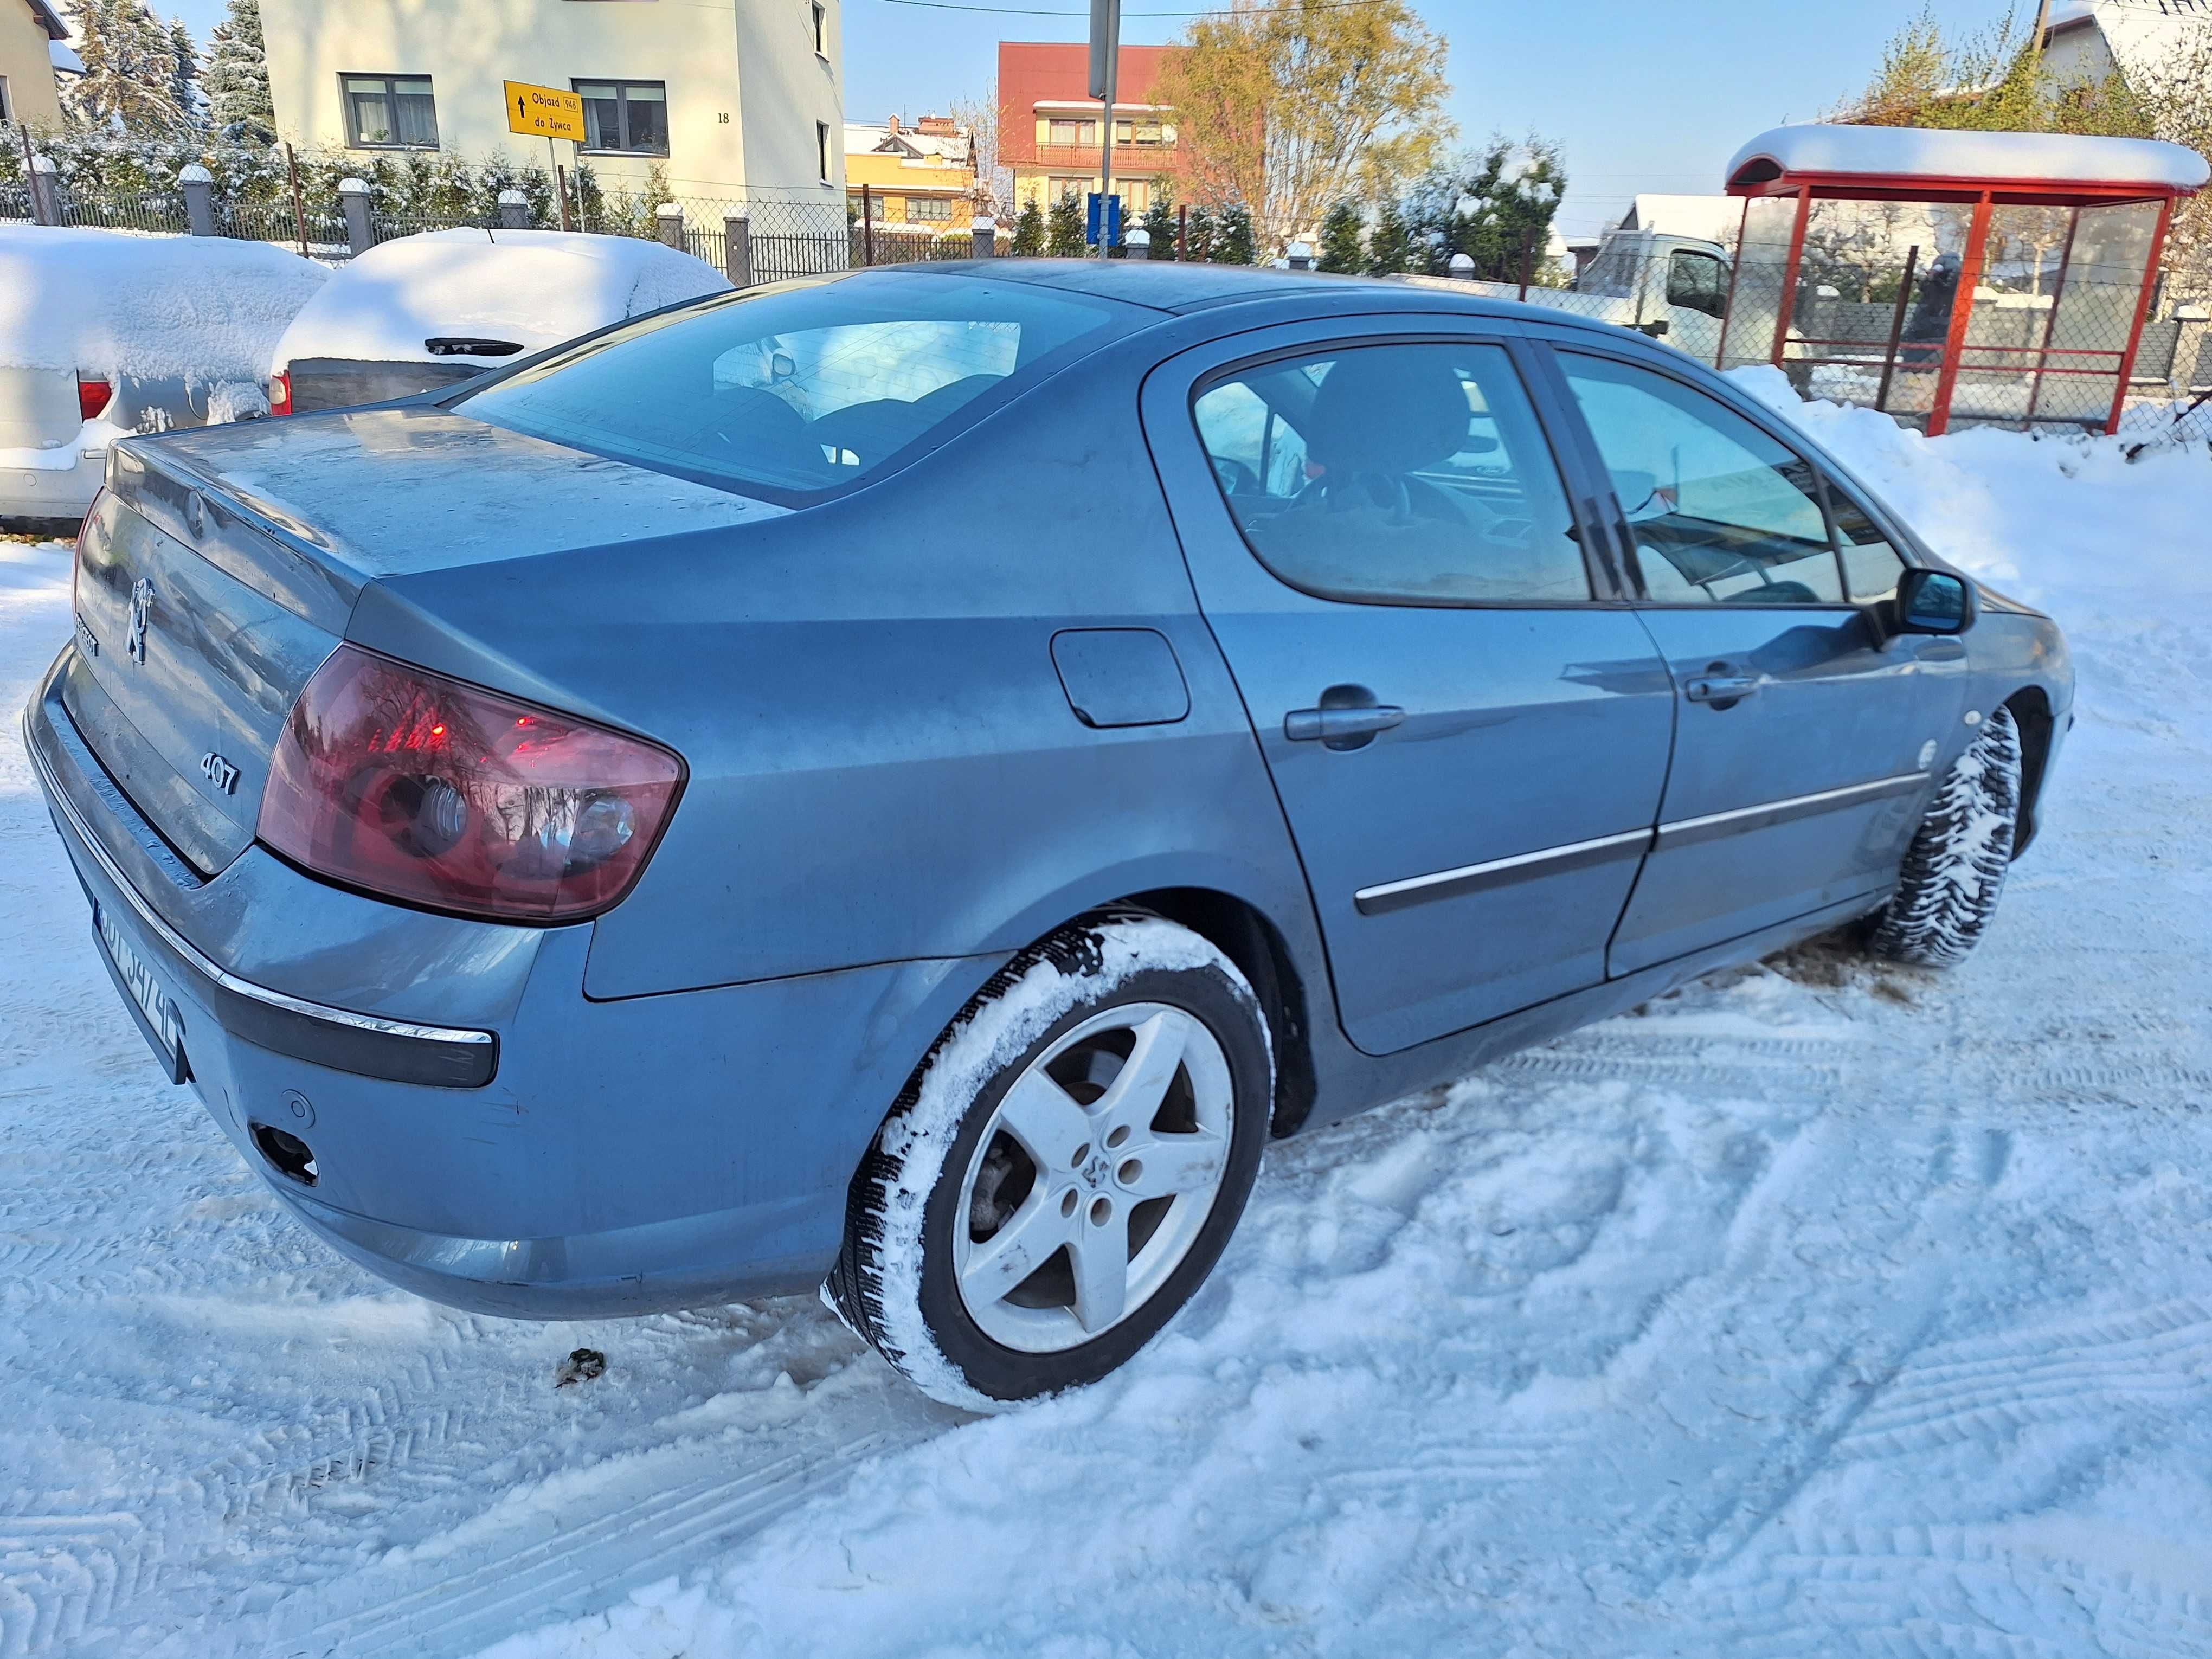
x=797, y=391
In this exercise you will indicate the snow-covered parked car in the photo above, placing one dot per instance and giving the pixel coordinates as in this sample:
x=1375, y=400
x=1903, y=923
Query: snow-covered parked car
x=424, y=313
x=104, y=334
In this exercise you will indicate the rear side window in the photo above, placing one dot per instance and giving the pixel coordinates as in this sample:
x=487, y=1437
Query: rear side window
x=1396, y=475
x=796, y=392
x=1722, y=513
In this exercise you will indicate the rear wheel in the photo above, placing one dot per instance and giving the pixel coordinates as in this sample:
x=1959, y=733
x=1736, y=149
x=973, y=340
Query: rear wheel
x=1064, y=1169
x=1955, y=871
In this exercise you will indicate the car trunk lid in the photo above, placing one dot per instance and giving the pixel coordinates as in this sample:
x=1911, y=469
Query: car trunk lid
x=221, y=568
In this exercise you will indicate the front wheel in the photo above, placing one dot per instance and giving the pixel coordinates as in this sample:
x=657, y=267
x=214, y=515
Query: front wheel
x=1954, y=870
x=1065, y=1167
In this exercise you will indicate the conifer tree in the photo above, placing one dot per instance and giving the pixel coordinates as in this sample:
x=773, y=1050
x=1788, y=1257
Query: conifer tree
x=1389, y=248
x=1064, y=235
x=1235, y=244
x=1341, y=248
x=1160, y=226
x=129, y=69
x=184, y=75
x=1028, y=230
x=237, y=78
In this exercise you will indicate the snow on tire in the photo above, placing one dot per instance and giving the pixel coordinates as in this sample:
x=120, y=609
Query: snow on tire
x=1954, y=870
x=1065, y=1166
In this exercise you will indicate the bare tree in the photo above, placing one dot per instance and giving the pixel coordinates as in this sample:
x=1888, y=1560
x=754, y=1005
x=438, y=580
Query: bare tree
x=993, y=189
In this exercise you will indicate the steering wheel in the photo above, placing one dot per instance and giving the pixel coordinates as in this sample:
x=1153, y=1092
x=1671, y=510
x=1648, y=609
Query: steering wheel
x=1235, y=477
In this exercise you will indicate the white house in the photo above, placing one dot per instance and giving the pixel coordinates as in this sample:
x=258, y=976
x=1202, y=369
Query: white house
x=731, y=101
x=2090, y=38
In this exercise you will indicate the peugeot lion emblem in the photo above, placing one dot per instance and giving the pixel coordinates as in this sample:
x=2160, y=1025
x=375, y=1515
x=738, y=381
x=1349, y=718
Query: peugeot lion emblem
x=142, y=605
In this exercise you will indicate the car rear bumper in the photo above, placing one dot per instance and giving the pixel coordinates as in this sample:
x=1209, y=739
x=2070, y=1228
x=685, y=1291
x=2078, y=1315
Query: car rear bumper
x=48, y=491
x=620, y=1157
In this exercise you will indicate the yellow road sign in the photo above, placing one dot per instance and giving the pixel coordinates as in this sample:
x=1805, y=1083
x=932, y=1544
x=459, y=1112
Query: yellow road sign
x=544, y=111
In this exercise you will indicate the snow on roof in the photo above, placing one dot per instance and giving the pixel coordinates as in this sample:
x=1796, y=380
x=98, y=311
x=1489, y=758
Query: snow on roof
x=65, y=61
x=1918, y=153
x=205, y=307
x=535, y=288
x=49, y=20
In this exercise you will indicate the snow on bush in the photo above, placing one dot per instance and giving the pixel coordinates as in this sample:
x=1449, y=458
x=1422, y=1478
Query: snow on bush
x=535, y=288
x=109, y=302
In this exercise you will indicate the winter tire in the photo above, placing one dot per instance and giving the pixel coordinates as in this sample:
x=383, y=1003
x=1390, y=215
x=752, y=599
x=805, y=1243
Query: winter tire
x=1954, y=870
x=1064, y=1168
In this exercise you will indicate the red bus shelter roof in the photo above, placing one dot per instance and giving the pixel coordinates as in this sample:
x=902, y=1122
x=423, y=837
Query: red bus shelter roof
x=1916, y=163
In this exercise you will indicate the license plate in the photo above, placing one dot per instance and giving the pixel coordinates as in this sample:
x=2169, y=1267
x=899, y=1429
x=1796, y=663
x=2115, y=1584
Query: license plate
x=153, y=1008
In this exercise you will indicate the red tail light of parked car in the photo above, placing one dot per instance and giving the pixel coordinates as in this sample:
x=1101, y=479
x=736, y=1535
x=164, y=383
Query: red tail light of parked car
x=280, y=392
x=407, y=784
x=93, y=396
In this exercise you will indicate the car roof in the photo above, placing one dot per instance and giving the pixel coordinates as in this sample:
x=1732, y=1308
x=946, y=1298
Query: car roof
x=1176, y=288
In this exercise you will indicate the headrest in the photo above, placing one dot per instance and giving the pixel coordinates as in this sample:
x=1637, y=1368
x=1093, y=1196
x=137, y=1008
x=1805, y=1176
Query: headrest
x=1389, y=410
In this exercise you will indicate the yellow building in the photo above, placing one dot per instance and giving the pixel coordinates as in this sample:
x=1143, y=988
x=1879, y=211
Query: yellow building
x=922, y=177
x=30, y=31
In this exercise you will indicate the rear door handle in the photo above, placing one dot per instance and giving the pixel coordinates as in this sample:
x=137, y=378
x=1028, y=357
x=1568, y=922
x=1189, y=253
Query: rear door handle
x=1721, y=688
x=1341, y=728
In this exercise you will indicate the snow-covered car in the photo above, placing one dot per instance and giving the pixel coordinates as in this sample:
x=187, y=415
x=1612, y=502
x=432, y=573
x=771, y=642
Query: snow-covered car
x=911, y=779
x=105, y=333
x=423, y=313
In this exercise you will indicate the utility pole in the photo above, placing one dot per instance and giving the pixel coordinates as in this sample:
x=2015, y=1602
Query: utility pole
x=2042, y=29
x=1105, y=70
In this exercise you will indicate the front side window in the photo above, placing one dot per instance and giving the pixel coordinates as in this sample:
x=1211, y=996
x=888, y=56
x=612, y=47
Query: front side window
x=1697, y=282
x=1396, y=475
x=389, y=111
x=625, y=115
x=798, y=392
x=1722, y=513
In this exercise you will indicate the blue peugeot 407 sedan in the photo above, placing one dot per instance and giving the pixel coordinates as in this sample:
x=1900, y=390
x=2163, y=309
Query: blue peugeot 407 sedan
x=904, y=781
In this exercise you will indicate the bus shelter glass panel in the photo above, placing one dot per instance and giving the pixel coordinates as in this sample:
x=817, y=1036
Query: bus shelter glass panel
x=1762, y=266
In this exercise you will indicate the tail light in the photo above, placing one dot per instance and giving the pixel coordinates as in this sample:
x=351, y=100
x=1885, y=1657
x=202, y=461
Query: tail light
x=280, y=392
x=406, y=783
x=93, y=396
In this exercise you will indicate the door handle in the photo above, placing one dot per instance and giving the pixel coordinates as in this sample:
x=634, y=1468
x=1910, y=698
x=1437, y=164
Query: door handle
x=1341, y=728
x=1722, y=690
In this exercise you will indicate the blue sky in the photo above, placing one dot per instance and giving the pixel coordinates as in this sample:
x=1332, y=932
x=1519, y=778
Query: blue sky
x=1644, y=95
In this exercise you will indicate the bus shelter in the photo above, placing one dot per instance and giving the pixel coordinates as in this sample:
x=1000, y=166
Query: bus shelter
x=1952, y=278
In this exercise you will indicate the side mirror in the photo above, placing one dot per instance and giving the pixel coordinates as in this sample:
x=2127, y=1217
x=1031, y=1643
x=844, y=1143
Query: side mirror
x=1933, y=602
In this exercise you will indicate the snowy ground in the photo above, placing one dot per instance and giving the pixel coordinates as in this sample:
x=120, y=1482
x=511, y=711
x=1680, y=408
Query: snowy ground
x=1816, y=1310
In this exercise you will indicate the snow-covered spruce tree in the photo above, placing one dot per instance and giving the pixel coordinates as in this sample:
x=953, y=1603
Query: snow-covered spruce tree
x=1341, y=248
x=1028, y=230
x=185, y=77
x=1235, y=243
x=1389, y=245
x=1203, y=232
x=129, y=69
x=1065, y=227
x=1495, y=205
x=236, y=79
x=1160, y=225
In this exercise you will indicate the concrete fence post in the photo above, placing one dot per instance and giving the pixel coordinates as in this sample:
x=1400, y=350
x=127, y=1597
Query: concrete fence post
x=352, y=196
x=198, y=185
x=1462, y=267
x=986, y=230
x=513, y=211
x=738, y=249
x=46, y=190
x=1300, y=256
x=670, y=217
x=1138, y=244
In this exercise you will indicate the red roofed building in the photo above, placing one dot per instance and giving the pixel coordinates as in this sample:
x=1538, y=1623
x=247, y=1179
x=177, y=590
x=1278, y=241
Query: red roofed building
x=1049, y=131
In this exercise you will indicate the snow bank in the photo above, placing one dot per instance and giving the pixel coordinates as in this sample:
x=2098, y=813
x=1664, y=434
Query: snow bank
x=1922, y=153
x=535, y=288
x=204, y=307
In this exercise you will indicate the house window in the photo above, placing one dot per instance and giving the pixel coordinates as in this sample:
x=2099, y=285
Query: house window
x=7, y=109
x=628, y=116
x=1146, y=133
x=821, y=148
x=821, y=30
x=1074, y=132
x=389, y=111
x=929, y=211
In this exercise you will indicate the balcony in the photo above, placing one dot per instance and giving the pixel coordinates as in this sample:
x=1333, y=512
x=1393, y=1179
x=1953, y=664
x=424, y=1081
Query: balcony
x=1127, y=157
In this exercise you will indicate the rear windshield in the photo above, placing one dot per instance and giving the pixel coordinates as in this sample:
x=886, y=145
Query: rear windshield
x=794, y=392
